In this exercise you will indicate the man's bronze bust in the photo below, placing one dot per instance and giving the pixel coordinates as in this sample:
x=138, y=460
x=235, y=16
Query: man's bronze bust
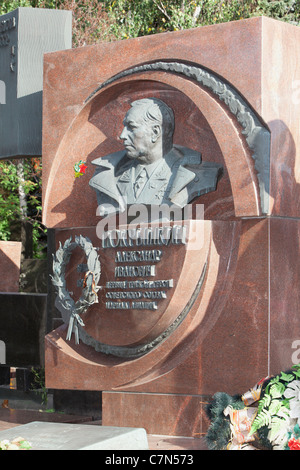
x=151, y=169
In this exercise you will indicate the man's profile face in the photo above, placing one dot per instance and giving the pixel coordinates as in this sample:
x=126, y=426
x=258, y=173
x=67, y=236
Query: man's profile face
x=137, y=137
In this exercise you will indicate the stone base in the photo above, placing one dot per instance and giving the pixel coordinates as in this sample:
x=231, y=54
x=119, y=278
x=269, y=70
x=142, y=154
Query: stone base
x=172, y=415
x=60, y=436
x=253, y=303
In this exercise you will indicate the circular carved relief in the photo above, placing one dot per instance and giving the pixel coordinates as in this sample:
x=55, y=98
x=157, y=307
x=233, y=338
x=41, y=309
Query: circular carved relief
x=198, y=112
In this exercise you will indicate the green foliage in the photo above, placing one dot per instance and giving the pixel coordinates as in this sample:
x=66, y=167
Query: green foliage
x=273, y=409
x=97, y=20
x=296, y=431
x=296, y=370
x=286, y=10
x=144, y=17
x=38, y=384
x=8, y=5
x=11, y=211
x=219, y=433
x=9, y=203
x=132, y=18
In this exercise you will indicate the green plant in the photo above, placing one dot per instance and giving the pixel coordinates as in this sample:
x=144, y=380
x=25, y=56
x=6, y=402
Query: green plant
x=219, y=433
x=274, y=408
x=38, y=384
x=20, y=203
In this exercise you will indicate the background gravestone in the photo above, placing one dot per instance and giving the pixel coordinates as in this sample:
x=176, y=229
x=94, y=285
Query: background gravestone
x=25, y=35
x=237, y=295
x=10, y=262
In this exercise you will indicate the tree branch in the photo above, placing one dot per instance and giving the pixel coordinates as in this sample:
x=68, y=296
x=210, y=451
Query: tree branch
x=161, y=7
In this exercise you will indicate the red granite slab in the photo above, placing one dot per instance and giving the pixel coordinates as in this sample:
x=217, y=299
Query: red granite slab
x=10, y=261
x=243, y=323
x=74, y=129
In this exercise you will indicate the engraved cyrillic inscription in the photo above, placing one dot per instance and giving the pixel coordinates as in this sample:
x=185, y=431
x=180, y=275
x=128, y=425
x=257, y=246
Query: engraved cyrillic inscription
x=139, y=294
x=135, y=271
x=136, y=256
x=146, y=236
x=131, y=305
x=140, y=284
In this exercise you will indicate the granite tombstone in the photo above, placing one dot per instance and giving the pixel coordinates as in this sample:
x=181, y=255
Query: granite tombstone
x=10, y=262
x=160, y=317
x=25, y=35
x=62, y=436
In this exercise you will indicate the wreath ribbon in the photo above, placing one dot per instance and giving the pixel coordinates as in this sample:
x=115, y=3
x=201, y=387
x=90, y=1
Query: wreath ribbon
x=64, y=299
x=88, y=273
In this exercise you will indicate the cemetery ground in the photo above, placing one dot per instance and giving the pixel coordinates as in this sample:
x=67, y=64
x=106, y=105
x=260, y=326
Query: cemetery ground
x=22, y=407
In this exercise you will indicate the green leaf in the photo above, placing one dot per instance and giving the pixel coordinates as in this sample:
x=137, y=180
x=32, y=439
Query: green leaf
x=275, y=407
x=276, y=424
x=277, y=390
x=264, y=402
x=296, y=372
x=286, y=377
x=262, y=419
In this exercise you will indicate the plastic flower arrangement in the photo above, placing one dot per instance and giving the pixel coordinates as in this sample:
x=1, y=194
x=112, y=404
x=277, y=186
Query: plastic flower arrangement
x=294, y=439
x=292, y=393
x=19, y=443
x=267, y=417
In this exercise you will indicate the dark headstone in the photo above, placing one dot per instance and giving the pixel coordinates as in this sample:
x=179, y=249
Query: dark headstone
x=24, y=379
x=81, y=402
x=4, y=375
x=22, y=328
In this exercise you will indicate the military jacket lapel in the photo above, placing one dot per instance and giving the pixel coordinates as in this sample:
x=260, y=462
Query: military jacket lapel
x=104, y=177
x=155, y=187
x=125, y=184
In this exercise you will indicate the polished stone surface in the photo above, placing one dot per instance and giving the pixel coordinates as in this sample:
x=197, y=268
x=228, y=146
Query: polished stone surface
x=10, y=262
x=243, y=323
x=23, y=323
x=93, y=133
x=209, y=335
x=173, y=415
x=29, y=32
x=140, y=326
x=284, y=293
x=62, y=436
x=280, y=104
x=262, y=47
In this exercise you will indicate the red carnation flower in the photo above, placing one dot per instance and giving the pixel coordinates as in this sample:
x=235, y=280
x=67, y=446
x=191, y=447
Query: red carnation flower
x=294, y=444
x=82, y=168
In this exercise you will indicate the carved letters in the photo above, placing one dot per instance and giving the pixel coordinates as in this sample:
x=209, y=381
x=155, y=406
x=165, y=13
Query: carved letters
x=125, y=299
x=5, y=26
